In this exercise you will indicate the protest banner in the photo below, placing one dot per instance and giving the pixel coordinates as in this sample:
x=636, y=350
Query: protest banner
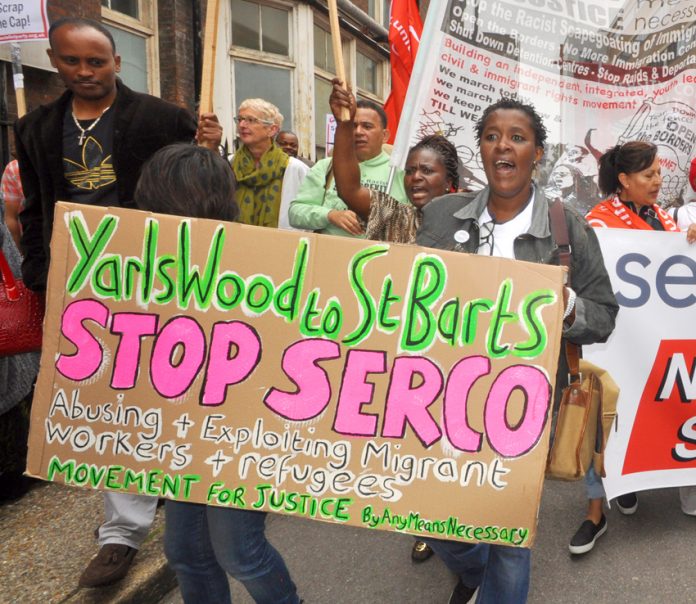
x=652, y=357
x=25, y=20
x=599, y=73
x=371, y=384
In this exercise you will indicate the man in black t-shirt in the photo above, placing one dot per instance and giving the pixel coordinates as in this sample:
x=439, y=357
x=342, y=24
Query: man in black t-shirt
x=88, y=146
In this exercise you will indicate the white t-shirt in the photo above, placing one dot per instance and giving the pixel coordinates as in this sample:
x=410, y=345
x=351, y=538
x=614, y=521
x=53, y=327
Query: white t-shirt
x=294, y=175
x=503, y=235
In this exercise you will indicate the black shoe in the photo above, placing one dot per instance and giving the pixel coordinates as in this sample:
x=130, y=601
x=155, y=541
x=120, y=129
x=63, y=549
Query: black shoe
x=583, y=541
x=627, y=504
x=421, y=551
x=461, y=594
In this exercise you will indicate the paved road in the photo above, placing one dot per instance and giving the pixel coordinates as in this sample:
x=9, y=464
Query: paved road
x=646, y=558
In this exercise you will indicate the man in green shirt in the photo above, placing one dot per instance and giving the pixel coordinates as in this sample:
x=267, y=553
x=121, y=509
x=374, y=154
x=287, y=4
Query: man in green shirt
x=318, y=207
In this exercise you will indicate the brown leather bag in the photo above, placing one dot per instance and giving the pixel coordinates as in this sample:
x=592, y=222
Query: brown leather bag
x=588, y=404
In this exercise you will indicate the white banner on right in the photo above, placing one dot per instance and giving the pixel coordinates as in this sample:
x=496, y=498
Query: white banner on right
x=652, y=357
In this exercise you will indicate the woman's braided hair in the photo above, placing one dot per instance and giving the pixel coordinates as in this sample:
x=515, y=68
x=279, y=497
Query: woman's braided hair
x=447, y=152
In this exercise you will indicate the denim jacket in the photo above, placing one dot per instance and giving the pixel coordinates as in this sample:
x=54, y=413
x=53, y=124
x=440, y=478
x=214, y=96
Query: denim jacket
x=595, y=306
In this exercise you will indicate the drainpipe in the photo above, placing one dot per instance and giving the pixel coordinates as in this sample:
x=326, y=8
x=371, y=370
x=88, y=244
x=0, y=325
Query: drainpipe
x=367, y=29
x=380, y=34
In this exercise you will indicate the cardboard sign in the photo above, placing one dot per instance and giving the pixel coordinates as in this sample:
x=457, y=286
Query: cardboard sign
x=653, y=361
x=376, y=385
x=24, y=20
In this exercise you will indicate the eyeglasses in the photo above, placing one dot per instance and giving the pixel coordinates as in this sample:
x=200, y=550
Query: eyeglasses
x=486, y=238
x=240, y=119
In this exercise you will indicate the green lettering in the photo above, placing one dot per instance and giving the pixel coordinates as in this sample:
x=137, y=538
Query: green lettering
x=470, y=318
x=112, y=476
x=384, y=321
x=88, y=248
x=55, y=466
x=287, y=299
x=368, y=311
x=259, y=294
x=501, y=316
x=145, y=266
x=190, y=282
x=532, y=306
x=428, y=278
x=310, y=311
x=448, y=320
x=225, y=300
x=107, y=278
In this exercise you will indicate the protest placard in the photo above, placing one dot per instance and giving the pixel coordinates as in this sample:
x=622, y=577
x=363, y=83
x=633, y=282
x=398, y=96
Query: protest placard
x=652, y=357
x=24, y=20
x=365, y=383
x=599, y=73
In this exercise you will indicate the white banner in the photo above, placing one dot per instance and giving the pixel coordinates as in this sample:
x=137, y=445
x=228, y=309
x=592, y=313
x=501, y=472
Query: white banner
x=652, y=357
x=24, y=20
x=599, y=73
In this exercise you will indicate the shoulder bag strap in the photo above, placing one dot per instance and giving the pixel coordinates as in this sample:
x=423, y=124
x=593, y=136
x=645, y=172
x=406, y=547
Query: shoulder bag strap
x=559, y=230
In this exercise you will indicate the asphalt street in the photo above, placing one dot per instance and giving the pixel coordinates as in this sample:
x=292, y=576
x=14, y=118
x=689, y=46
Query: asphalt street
x=649, y=557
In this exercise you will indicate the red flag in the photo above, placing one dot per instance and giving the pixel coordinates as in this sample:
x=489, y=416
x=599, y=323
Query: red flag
x=405, y=29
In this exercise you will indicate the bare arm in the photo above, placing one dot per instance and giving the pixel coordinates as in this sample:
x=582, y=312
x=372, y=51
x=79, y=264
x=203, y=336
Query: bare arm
x=345, y=162
x=12, y=220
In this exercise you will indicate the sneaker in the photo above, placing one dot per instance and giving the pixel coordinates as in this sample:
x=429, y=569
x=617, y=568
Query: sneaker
x=421, y=551
x=627, y=504
x=583, y=541
x=110, y=564
x=461, y=594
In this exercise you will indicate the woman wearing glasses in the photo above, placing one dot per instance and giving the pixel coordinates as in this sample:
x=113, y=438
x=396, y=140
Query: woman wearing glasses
x=630, y=177
x=510, y=218
x=267, y=179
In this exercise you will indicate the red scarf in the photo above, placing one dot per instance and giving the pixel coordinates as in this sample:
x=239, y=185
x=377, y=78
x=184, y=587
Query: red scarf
x=614, y=214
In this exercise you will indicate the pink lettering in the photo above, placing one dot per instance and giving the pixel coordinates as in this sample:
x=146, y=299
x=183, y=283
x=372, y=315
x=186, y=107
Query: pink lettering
x=409, y=403
x=459, y=384
x=355, y=392
x=182, y=337
x=301, y=364
x=513, y=441
x=132, y=327
x=224, y=371
x=87, y=359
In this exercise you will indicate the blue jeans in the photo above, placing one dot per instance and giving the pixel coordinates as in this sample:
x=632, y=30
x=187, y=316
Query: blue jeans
x=593, y=484
x=500, y=572
x=203, y=543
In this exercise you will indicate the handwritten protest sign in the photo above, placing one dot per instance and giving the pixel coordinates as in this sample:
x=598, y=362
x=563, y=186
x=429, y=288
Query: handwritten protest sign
x=652, y=357
x=364, y=383
x=599, y=73
x=24, y=20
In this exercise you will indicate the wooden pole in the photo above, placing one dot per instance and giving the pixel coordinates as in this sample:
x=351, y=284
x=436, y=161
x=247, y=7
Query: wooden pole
x=338, y=51
x=18, y=78
x=208, y=67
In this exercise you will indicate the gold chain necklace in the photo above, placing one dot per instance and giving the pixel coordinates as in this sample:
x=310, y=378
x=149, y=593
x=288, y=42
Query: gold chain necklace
x=85, y=131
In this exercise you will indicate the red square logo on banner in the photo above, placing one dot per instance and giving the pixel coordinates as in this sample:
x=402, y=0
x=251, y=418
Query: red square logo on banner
x=664, y=431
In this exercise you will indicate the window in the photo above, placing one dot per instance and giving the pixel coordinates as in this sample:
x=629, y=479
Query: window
x=132, y=24
x=260, y=27
x=368, y=74
x=323, y=50
x=379, y=11
x=261, y=48
x=127, y=7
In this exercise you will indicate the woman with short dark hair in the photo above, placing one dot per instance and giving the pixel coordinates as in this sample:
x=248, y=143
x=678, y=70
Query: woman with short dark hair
x=203, y=543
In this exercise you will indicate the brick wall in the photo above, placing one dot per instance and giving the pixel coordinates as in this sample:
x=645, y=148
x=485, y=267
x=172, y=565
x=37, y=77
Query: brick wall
x=176, y=50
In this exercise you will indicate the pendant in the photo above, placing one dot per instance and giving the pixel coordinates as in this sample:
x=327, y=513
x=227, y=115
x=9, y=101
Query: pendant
x=81, y=140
